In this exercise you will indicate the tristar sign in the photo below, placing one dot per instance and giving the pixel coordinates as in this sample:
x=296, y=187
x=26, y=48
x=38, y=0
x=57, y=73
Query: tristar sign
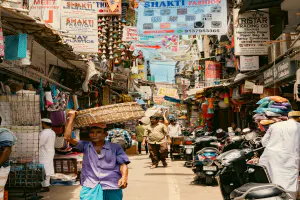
x=185, y=17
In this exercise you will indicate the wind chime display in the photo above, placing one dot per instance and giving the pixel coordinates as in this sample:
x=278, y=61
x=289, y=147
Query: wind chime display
x=110, y=34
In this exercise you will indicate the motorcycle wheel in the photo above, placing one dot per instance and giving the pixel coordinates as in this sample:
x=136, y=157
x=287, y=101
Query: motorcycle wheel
x=208, y=180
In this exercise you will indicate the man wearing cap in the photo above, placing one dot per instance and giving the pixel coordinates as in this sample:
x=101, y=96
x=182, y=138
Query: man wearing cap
x=104, y=167
x=282, y=153
x=47, y=151
x=156, y=133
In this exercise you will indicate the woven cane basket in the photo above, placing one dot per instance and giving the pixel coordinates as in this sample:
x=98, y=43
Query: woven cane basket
x=109, y=114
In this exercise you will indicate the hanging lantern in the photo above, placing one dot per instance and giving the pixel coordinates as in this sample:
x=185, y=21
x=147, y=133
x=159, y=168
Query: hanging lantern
x=226, y=98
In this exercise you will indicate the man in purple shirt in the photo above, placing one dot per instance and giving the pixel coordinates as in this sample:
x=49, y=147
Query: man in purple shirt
x=104, y=168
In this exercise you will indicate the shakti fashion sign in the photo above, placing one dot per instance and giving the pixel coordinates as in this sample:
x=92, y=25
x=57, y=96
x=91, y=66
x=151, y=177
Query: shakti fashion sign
x=251, y=30
x=182, y=17
x=79, y=19
x=282, y=70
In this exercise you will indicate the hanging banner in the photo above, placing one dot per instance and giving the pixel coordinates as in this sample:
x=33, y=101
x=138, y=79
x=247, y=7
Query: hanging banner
x=103, y=8
x=182, y=17
x=249, y=63
x=49, y=11
x=171, y=92
x=251, y=30
x=79, y=20
x=212, y=72
x=130, y=34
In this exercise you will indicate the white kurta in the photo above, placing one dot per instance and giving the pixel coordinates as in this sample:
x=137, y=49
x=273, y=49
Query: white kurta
x=281, y=156
x=47, y=150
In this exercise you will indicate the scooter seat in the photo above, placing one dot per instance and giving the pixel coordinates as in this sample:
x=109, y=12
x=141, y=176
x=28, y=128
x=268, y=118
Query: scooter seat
x=259, y=191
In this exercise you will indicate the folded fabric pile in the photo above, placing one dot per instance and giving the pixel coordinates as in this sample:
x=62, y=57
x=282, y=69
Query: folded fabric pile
x=271, y=109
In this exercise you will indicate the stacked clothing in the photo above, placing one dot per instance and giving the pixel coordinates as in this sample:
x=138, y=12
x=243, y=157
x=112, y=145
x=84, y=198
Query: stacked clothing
x=271, y=110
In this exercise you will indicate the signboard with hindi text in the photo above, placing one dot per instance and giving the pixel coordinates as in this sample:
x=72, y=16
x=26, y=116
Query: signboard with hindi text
x=282, y=70
x=249, y=63
x=182, y=17
x=251, y=30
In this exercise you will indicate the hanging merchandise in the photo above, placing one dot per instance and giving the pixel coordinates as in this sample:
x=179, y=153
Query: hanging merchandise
x=91, y=74
x=49, y=100
x=182, y=18
x=271, y=109
x=61, y=102
x=1, y=42
x=15, y=46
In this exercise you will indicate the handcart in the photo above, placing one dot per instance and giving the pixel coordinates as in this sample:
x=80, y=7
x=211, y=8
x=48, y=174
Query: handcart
x=176, y=148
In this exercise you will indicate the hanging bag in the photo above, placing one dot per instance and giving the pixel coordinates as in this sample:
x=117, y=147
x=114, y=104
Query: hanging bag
x=59, y=142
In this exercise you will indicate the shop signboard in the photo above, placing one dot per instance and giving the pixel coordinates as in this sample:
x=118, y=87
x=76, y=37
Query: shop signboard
x=130, y=34
x=171, y=92
x=212, y=72
x=103, y=8
x=48, y=11
x=249, y=63
x=282, y=70
x=251, y=30
x=182, y=17
x=79, y=20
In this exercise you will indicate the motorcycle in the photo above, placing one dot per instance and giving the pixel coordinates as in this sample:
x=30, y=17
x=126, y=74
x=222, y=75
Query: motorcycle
x=204, y=166
x=239, y=180
x=188, y=150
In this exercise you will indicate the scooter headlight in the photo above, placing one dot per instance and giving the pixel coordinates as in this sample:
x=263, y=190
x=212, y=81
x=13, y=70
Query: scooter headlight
x=188, y=151
x=208, y=162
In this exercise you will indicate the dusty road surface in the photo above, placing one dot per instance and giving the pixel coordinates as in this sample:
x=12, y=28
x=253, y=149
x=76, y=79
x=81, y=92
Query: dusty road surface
x=171, y=183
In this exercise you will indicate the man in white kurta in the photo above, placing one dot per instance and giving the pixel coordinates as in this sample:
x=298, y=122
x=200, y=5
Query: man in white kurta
x=281, y=155
x=47, y=151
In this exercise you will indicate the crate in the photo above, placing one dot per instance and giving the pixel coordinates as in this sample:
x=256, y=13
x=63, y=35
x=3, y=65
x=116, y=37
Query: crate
x=65, y=166
x=26, y=175
x=177, y=140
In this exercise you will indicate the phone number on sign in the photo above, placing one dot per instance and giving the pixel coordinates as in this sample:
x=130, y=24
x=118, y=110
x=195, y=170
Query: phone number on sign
x=203, y=31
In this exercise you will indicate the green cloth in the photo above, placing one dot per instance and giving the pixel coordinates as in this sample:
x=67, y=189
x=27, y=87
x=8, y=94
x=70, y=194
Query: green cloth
x=140, y=130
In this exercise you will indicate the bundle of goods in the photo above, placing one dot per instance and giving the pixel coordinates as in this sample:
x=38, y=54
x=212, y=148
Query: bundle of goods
x=109, y=114
x=271, y=109
x=157, y=110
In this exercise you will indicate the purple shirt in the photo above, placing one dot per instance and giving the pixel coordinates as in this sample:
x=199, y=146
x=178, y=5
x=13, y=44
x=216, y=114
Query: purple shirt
x=103, y=168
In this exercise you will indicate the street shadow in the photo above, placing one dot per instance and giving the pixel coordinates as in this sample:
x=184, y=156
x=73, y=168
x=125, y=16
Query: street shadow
x=167, y=174
x=197, y=183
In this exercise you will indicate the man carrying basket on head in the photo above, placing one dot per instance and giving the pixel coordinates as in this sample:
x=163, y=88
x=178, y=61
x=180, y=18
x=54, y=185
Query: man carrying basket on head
x=158, y=147
x=104, y=168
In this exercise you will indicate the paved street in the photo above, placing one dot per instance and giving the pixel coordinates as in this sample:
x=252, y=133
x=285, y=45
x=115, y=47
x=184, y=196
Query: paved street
x=171, y=183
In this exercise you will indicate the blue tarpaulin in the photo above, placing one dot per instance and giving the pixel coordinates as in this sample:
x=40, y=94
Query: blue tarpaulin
x=172, y=99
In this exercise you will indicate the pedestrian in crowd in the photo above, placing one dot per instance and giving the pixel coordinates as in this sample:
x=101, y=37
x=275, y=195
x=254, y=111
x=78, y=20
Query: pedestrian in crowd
x=140, y=130
x=47, y=151
x=156, y=133
x=119, y=136
x=282, y=156
x=174, y=128
x=104, y=167
x=7, y=140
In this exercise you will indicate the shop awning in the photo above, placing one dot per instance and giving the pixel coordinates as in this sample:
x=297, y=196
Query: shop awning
x=14, y=21
x=172, y=99
x=258, y=4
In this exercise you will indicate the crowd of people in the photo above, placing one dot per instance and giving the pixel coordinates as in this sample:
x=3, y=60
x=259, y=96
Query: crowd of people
x=105, y=171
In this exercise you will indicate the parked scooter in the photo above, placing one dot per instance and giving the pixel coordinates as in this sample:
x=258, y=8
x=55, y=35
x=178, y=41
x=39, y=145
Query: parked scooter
x=204, y=166
x=239, y=180
x=188, y=149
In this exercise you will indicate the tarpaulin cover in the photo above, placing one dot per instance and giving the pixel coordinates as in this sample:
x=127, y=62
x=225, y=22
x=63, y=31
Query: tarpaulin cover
x=172, y=99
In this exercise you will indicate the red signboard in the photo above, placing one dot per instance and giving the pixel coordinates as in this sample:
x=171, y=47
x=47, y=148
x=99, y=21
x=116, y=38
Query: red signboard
x=212, y=70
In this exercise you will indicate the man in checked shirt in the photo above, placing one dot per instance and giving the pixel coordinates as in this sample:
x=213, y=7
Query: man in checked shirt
x=119, y=136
